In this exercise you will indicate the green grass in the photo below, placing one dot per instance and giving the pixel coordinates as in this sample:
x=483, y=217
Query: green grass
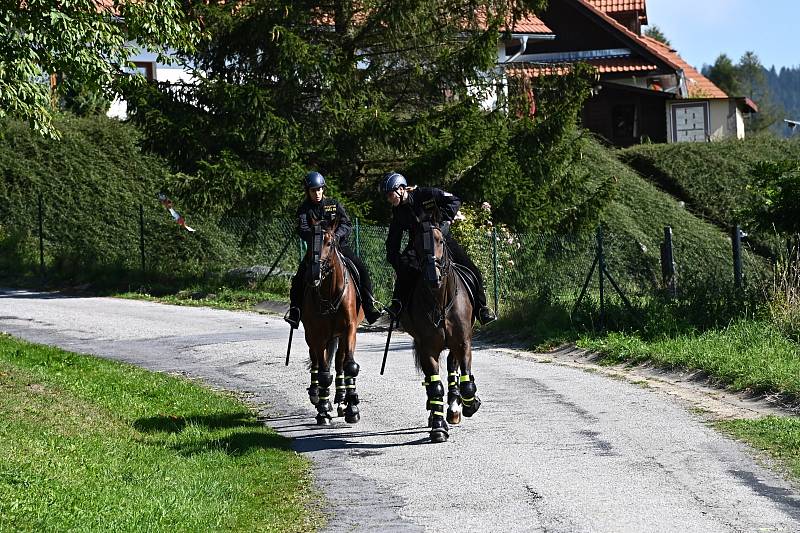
x=711, y=178
x=778, y=436
x=745, y=356
x=216, y=296
x=92, y=445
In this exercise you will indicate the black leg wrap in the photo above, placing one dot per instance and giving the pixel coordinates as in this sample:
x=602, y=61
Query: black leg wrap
x=351, y=413
x=351, y=368
x=324, y=404
x=435, y=392
x=452, y=386
x=313, y=390
x=325, y=379
x=340, y=389
x=469, y=395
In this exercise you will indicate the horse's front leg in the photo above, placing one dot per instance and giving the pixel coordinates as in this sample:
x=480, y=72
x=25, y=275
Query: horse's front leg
x=320, y=391
x=453, y=394
x=435, y=393
x=350, y=368
x=467, y=387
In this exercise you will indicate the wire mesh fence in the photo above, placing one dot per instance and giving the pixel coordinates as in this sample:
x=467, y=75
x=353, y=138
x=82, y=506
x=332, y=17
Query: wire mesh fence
x=521, y=271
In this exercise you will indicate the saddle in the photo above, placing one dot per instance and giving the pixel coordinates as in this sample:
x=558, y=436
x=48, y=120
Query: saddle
x=351, y=267
x=471, y=284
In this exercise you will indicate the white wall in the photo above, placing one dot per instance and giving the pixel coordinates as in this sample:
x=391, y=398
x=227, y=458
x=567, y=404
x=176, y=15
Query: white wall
x=162, y=72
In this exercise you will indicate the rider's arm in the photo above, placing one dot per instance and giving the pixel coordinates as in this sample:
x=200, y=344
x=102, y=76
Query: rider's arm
x=448, y=204
x=303, y=227
x=393, y=242
x=344, y=228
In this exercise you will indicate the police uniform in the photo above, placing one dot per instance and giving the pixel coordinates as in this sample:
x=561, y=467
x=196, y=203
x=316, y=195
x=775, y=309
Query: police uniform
x=421, y=202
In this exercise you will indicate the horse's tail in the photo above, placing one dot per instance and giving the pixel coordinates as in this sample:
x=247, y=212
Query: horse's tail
x=417, y=358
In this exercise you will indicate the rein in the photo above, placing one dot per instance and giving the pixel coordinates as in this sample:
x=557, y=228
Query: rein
x=329, y=306
x=445, y=277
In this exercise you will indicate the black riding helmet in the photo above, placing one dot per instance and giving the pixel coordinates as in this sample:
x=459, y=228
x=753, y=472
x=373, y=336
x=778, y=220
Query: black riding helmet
x=392, y=181
x=314, y=180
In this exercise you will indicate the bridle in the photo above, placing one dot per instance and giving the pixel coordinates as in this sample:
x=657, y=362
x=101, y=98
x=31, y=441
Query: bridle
x=437, y=274
x=321, y=270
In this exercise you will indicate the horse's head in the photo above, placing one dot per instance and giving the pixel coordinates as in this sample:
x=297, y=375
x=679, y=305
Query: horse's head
x=431, y=249
x=321, y=251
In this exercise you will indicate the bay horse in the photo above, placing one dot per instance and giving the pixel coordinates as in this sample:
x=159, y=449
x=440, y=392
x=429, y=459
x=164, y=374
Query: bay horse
x=440, y=316
x=331, y=315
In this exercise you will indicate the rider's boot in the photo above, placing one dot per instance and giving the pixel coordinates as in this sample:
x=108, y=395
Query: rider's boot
x=485, y=315
x=371, y=314
x=292, y=316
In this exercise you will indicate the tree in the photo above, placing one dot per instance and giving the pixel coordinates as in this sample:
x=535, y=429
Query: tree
x=723, y=73
x=777, y=188
x=84, y=41
x=352, y=89
x=654, y=32
x=751, y=75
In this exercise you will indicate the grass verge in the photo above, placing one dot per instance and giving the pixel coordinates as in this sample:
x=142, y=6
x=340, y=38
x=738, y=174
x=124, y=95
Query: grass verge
x=216, y=296
x=748, y=355
x=90, y=444
x=777, y=436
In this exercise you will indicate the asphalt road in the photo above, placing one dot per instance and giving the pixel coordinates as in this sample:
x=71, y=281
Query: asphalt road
x=552, y=448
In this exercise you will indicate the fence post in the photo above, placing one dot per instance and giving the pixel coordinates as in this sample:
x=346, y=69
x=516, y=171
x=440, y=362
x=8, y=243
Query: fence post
x=494, y=261
x=141, y=237
x=668, y=263
x=736, y=239
x=601, y=264
x=358, y=239
x=41, y=236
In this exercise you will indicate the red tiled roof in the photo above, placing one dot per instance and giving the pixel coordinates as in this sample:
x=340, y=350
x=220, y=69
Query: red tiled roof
x=619, y=6
x=603, y=65
x=698, y=85
x=628, y=33
x=530, y=24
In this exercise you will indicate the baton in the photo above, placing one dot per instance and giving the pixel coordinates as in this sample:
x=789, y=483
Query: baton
x=388, y=339
x=289, y=348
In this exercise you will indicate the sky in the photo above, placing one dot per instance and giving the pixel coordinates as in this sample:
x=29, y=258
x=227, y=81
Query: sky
x=700, y=30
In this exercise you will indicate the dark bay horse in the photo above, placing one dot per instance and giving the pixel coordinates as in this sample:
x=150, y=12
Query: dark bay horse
x=330, y=317
x=440, y=316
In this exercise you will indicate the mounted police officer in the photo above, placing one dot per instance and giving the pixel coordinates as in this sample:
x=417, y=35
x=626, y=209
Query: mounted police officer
x=409, y=205
x=317, y=207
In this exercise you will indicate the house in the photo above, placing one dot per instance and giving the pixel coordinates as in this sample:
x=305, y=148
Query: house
x=645, y=91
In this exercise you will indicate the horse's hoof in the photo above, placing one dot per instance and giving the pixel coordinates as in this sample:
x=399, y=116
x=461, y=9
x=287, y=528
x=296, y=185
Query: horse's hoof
x=439, y=435
x=340, y=410
x=352, y=418
x=472, y=408
x=453, y=417
x=323, y=420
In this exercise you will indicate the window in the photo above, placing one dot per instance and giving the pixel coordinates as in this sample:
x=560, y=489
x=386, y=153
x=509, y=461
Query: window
x=147, y=69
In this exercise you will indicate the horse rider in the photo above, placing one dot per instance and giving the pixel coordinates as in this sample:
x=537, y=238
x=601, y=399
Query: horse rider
x=317, y=207
x=409, y=206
